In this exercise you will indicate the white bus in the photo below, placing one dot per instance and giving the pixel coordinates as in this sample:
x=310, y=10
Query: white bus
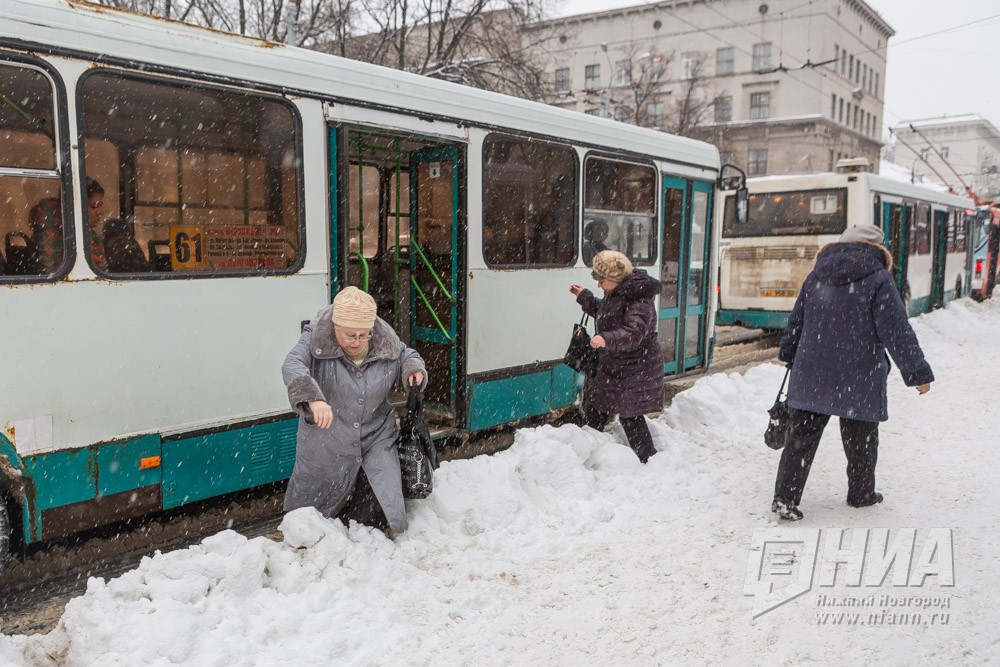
x=764, y=262
x=175, y=201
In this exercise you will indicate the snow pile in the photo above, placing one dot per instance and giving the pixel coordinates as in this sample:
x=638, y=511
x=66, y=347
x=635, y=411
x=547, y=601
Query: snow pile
x=564, y=549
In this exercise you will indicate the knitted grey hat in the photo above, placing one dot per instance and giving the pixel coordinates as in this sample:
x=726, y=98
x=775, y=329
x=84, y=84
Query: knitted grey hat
x=863, y=234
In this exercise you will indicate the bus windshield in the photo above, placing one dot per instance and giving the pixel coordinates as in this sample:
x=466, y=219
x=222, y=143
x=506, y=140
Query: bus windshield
x=808, y=212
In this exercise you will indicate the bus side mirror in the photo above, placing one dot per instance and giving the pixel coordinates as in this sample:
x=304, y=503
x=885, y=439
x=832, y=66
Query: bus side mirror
x=732, y=177
x=742, y=205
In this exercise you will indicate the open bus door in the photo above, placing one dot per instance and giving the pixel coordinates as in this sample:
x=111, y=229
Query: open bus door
x=896, y=222
x=939, y=254
x=992, y=250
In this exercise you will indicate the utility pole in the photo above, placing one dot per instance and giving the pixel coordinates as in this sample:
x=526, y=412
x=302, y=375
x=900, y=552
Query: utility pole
x=291, y=20
x=606, y=95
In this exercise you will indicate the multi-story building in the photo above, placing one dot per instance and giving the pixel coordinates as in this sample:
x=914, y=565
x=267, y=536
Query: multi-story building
x=969, y=143
x=781, y=86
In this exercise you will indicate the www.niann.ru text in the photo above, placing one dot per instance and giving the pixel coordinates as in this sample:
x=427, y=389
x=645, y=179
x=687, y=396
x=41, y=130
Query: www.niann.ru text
x=884, y=617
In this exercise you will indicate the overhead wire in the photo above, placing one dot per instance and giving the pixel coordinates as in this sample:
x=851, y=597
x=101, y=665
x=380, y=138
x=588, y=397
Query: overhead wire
x=710, y=32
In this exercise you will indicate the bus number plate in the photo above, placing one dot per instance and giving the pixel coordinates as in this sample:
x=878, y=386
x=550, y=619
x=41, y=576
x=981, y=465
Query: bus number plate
x=781, y=293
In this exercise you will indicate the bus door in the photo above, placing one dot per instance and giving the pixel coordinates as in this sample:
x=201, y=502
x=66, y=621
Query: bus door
x=394, y=234
x=684, y=294
x=938, y=255
x=895, y=221
x=370, y=249
x=435, y=269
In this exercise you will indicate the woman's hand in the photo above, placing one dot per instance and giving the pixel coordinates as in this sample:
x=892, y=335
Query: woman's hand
x=575, y=289
x=415, y=379
x=597, y=342
x=923, y=388
x=322, y=413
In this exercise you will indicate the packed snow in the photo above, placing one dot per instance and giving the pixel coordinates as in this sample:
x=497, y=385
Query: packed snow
x=565, y=550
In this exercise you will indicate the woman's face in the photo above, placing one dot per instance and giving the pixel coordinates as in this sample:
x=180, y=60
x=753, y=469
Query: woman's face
x=352, y=340
x=95, y=210
x=607, y=285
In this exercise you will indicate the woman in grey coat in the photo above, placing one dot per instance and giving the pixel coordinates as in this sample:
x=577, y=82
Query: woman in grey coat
x=338, y=377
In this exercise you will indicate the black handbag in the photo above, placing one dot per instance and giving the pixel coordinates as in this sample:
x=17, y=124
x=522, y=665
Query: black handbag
x=580, y=356
x=417, y=454
x=776, y=435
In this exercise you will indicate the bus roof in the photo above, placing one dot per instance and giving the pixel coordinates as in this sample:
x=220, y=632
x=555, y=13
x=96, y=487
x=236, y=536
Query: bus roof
x=123, y=38
x=877, y=183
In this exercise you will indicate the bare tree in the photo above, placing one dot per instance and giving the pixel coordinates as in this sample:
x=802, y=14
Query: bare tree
x=466, y=41
x=695, y=101
x=316, y=20
x=647, y=83
x=480, y=43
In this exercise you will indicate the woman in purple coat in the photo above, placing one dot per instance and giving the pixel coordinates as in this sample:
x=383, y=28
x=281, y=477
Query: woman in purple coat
x=629, y=379
x=847, y=316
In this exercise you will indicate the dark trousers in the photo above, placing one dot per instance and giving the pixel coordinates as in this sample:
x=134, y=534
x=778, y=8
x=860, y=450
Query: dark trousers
x=636, y=430
x=363, y=506
x=860, y=445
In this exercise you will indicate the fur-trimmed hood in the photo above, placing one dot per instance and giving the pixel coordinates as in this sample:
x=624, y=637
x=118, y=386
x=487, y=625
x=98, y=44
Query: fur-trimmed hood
x=843, y=263
x=638, y=285
x=384, y=342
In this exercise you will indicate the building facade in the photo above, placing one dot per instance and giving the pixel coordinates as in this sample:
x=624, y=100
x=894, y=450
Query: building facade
x=780, y=86
x=969, y=143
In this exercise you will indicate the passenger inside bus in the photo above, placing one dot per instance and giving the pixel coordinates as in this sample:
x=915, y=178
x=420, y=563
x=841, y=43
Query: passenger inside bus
x=95, y=216
x=595, y=233
x=122, y=252
x=40, y=251
x=45, y=222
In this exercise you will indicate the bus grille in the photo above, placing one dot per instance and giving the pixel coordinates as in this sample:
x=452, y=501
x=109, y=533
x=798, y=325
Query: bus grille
x=268, y=448
x=770, y=252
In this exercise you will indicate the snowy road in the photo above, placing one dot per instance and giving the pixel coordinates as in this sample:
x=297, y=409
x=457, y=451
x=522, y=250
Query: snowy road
x=564, y=550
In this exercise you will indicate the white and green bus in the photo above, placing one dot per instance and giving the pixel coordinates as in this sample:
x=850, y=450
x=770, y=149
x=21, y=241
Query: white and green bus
x=175, y=202
x=764, y=261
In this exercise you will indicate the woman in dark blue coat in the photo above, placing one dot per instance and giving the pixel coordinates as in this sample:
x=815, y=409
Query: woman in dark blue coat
x=847, y=316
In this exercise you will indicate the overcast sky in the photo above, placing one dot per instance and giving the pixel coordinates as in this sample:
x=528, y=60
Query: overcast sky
x=952, y=73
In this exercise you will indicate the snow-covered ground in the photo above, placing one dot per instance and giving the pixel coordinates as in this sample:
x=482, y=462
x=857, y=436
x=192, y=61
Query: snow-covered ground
x=565, y=550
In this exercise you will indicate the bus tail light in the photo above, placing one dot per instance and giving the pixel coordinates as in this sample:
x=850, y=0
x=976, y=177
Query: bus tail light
x=979, y=268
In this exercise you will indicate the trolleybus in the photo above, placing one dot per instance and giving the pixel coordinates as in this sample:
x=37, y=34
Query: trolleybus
x=175, y=202
x=764, y=262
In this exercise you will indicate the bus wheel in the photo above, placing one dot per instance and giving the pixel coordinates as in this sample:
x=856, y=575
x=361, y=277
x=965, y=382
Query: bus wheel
x=4, y=535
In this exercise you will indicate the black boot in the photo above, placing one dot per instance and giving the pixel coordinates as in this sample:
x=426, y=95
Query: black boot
x=873, y=499
x=786, y=510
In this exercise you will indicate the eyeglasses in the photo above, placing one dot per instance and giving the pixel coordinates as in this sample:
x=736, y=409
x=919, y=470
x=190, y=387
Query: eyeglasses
x=356, y=338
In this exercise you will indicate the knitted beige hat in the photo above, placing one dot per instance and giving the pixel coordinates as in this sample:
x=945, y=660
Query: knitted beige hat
x=611, y=265
x=354, y=309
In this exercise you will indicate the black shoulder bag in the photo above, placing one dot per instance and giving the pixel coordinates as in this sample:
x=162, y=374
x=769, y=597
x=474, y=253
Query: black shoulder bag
x=417, y=453
x=580, y=356
x=776, y=435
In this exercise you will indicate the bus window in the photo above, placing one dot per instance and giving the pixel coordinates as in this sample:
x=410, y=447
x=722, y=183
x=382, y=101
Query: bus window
x=404, y=211
x=810, y=212
x=962, y=231
x=952, y=231
x=213, y=174
x=920, y=233
x=32, y=230
x=529, y=203
x=619, y=209
x=365, y=211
